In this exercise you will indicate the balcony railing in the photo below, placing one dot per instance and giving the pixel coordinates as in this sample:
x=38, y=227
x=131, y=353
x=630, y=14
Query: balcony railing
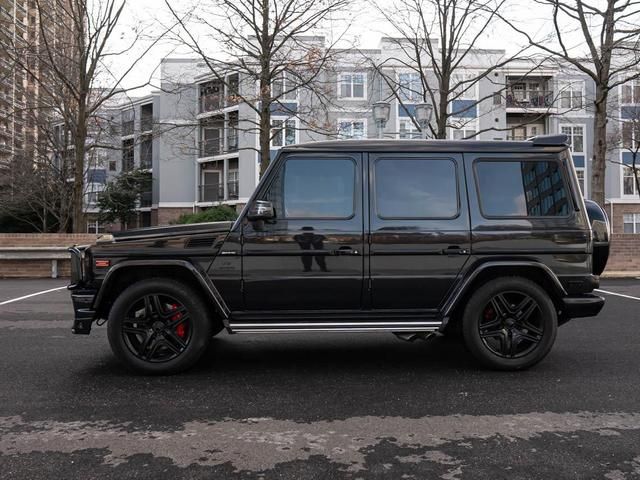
x=215, y=192
x=529, y=99
x=213, y=102
x=218, y=146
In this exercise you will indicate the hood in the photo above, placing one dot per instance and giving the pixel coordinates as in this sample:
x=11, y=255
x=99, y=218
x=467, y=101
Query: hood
x=172, y=231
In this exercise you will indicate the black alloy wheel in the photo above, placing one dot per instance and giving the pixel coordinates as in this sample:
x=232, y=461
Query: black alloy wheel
x=157, y=328
x=510, y=323
x=160, y=326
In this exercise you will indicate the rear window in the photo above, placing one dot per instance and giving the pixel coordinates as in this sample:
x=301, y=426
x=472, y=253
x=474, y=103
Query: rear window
x=521, y=189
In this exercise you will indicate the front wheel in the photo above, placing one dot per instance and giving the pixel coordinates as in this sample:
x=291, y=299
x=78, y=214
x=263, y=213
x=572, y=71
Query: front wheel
x=159, y=326
x=510, y=324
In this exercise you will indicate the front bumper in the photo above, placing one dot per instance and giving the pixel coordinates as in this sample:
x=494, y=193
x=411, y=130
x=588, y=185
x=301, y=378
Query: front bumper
x=84, y=314
x=81, y=297
x=577, y=306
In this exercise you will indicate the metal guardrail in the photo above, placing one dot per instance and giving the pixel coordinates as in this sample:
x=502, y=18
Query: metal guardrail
x=49, y=254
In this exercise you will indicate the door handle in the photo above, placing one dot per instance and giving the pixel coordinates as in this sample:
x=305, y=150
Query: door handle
x=455, y=250
x=346, y=251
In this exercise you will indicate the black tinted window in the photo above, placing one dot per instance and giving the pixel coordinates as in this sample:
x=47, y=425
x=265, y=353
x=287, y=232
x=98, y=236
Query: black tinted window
x=416, y=188
x=520, y=189
x=319, y=188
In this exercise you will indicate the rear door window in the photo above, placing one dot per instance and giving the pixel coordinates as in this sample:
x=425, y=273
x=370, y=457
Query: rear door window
x=416, y=188
x=527, y=188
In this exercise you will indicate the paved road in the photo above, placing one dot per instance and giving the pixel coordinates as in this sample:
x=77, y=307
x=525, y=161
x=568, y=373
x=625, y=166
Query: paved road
x=317, y=406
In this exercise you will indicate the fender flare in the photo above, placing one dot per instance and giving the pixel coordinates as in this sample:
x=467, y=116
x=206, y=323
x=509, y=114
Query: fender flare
x=454, y=298
x=203, y=280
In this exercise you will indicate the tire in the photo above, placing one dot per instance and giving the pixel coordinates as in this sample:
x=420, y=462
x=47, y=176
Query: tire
x=505, y=333
x=159, y=327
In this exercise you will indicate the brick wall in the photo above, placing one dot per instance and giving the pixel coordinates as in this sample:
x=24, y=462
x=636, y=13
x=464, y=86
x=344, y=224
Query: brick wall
x=625, y=253
x=38, y=268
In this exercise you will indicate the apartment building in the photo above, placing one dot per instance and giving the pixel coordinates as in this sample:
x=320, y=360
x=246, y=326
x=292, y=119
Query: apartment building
x=199, y=140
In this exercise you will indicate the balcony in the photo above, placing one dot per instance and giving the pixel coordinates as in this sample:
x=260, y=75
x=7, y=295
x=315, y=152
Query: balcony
x=528, y=99
x=210, y=103
x=215, y=192
x=217, y=146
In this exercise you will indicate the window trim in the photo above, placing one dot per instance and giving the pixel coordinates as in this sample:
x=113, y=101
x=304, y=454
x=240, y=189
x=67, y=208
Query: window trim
x=568, y=85
x=284, y=77
x=584, y=137
x=563, y=174
x=364, y=85
x=633, y=222
x=374, y=193
x=402, y=101
x=635, y=193
x=283, y=169
x=633, y=83
x=351, y=120
x=284, y=119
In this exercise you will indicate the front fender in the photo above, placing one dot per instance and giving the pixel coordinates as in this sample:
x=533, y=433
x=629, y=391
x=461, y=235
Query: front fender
x=202, y=279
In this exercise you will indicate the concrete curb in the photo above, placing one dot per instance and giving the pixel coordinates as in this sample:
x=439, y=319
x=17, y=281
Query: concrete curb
x=618, y=274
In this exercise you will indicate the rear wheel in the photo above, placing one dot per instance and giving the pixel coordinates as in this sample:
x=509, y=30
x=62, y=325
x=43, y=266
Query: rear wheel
x=510, y=323
x=159, y=326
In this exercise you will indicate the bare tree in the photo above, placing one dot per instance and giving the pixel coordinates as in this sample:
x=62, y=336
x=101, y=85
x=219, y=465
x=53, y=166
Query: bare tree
x=269, y=43
x=437, y=41
x=71, y=59
x=610, y=31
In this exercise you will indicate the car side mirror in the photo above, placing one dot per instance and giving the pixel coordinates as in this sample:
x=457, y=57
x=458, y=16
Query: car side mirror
x=261, y=210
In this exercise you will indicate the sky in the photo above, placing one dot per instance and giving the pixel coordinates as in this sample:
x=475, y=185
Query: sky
x=149, y=16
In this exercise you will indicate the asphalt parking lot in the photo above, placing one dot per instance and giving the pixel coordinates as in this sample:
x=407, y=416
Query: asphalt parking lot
x=316, y=406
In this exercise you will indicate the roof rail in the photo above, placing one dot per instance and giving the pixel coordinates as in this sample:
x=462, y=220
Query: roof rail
x=550, y=140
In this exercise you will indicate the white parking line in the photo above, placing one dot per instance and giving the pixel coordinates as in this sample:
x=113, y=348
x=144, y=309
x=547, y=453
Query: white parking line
x=617, y=294
x=31, y=295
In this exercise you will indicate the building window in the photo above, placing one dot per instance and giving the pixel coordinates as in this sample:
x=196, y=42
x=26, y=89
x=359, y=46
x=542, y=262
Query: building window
x=571, y=95
x=128, y=119
x=576, y=137
x=410, y=87
x=631, y=92
x=630, y=135
x=113, y=165
x=283, y=88
x=352, y=129
x=95, y=227
x=409, y=130
x=127, y=156
x=631, y=222
x=466, y=90
x=629, y=181
x=580, y=172
x=352, y=86
x=463, y=129
x=283, y=132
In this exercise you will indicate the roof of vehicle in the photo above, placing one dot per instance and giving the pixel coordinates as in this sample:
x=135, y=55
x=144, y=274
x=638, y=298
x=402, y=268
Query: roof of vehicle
x=541, y=143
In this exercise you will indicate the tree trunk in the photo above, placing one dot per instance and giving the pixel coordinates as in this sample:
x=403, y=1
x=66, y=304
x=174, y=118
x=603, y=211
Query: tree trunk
x=265, y=136
x=78, y=171
x=598, y=163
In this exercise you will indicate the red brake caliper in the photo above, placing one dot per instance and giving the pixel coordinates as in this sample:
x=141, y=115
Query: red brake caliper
x=181, y=329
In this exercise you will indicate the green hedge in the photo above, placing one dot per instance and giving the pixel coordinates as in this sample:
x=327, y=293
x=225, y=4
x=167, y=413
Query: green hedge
x=214, y=214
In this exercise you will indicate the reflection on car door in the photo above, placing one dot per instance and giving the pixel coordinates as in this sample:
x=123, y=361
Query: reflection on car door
x=419, y=228
x=310, y=256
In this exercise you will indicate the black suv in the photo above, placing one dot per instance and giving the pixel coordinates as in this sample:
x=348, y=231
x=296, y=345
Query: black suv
x=492, y=240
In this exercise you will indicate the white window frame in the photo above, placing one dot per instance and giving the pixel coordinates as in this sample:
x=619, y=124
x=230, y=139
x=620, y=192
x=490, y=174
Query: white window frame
x=284, y=121
x=623, y=176
x=417, y=92
x=635, y=221
x=634, y=132
x=351, y=74
x=466, y=125
x=472, y=90
x=570, y=86
x=284, y=77
x=584, y=136
x=352, y=121
x=633, y=84
x=412, y=132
